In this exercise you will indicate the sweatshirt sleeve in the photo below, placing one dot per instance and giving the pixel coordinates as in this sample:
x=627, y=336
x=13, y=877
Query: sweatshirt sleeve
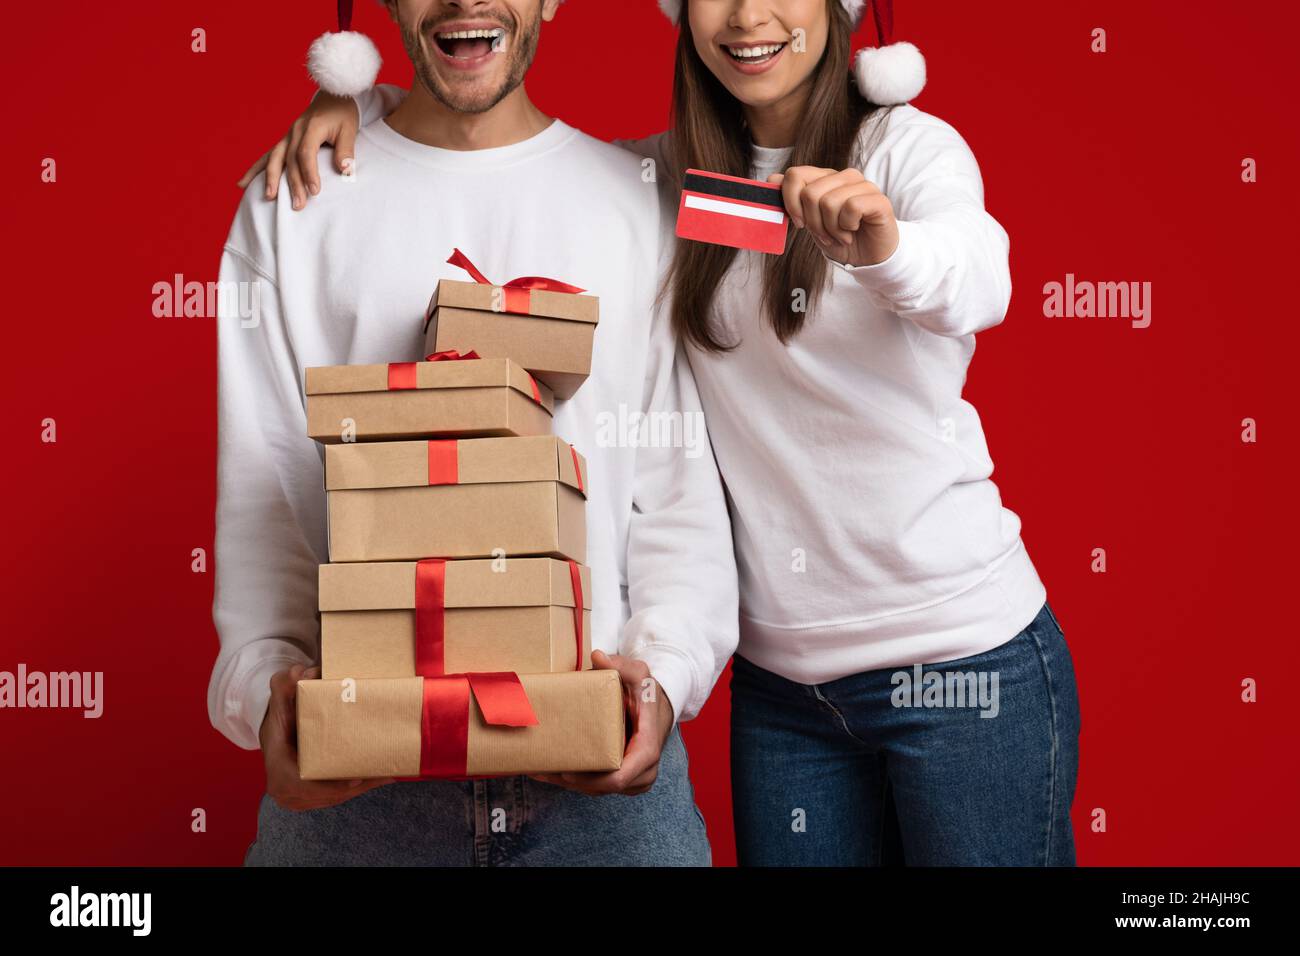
x=378, y=101
x=270, y=523
x=681, y=567
x=950, y=273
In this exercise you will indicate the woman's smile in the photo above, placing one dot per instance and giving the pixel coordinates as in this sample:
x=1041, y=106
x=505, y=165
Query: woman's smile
x=752, y=58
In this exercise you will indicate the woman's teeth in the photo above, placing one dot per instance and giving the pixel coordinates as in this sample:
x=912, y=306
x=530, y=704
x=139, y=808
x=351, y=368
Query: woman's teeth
x=754, y=54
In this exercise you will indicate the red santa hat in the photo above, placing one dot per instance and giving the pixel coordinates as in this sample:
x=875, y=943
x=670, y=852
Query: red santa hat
x=888, y=75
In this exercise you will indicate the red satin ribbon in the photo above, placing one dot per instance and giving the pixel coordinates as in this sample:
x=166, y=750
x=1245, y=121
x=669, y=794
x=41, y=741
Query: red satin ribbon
x=444, y=717
x=401, y=375
x=518, y=291
x=502, y=699
x=444, y=727
x=430, y=617
x=451, y=355
x=444, y=462
x=577, y=469
x=576, y=576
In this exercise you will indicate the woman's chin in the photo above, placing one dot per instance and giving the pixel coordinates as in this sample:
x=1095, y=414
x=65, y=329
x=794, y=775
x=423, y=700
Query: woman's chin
x=759, y=96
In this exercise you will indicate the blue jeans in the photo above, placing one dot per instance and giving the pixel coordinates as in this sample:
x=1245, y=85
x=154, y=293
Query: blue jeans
x=840, y=774
x=502, y=821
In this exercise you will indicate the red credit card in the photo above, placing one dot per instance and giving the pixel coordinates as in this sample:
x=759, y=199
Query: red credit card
x=727, y=211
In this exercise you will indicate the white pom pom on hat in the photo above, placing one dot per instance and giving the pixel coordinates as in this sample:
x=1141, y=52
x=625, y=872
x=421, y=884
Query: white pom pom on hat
x=888, y=75
x=345, y=63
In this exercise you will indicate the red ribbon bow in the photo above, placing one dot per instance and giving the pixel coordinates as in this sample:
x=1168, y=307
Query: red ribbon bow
x=451, y=355
x=518, y=291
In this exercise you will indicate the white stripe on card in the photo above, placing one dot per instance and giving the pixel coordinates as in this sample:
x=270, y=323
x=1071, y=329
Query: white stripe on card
x=735, y=209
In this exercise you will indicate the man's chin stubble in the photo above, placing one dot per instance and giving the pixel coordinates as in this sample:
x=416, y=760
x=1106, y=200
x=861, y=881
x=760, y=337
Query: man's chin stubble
x=481, y=105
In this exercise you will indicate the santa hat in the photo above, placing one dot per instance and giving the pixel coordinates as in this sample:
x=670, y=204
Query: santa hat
x=888, y=75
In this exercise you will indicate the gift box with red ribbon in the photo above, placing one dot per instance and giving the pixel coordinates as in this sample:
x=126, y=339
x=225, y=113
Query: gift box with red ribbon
x=448, y=394
x=545, y=325
x=435, y=617
x=464, y=725
x=454, y=499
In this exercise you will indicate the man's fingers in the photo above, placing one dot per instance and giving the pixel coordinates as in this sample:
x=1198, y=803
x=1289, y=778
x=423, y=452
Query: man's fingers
x=345, y=148
x=308, y=154
x=253, y=170
x=297, y=188
x=275, y=167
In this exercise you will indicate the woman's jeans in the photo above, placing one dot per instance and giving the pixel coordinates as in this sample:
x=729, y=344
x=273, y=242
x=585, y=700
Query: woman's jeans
x=877, y=768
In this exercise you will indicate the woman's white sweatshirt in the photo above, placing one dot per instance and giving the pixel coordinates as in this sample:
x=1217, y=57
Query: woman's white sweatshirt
x=868, y=531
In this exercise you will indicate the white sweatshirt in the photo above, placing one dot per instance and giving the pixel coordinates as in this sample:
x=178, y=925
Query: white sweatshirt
x=346, y=281
x=868, y=532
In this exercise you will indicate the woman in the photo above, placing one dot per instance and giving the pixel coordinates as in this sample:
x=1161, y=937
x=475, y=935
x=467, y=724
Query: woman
x=869, y=537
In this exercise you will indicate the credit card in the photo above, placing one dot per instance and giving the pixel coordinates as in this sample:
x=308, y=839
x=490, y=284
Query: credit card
x=727, y=211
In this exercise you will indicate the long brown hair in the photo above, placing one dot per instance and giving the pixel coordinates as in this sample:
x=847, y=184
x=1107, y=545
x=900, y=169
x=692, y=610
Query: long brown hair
x=709, y=132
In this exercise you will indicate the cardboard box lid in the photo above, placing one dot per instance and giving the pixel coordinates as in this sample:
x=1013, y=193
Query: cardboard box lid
x=390, y=585
x=405, y=464
x=542, y=303
x=469, y=373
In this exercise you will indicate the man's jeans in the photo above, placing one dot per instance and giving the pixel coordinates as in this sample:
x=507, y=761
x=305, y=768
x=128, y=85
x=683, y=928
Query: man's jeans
x=838, y=774
x=503, y=821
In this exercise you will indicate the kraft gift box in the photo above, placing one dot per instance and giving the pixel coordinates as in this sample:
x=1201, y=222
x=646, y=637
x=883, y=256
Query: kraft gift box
x=442, y=727
x=516, y=614
x=454, y=499
x=476, y=397
x=550, y=334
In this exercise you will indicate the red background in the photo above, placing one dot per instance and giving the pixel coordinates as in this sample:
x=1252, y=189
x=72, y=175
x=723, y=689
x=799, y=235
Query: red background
x=1117, y=166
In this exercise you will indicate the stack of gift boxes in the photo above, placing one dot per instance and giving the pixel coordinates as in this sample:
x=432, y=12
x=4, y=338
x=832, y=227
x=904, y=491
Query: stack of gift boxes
x=455, y=610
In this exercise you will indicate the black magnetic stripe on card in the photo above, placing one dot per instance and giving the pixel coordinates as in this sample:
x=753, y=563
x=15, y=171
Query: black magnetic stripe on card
x=727, y=189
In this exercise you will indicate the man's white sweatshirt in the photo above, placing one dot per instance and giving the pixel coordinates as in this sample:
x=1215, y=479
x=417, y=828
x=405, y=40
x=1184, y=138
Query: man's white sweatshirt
x=346, y=281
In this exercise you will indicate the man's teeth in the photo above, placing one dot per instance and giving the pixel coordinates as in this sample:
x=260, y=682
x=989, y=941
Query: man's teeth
x=473, y=34
x=754, y=52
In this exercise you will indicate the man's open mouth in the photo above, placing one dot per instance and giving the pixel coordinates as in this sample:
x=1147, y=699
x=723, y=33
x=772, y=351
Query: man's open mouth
x=755, y=54
x=470, y=44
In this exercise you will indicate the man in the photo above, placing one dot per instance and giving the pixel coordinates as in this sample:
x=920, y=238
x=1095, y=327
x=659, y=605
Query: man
x=467, y=161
